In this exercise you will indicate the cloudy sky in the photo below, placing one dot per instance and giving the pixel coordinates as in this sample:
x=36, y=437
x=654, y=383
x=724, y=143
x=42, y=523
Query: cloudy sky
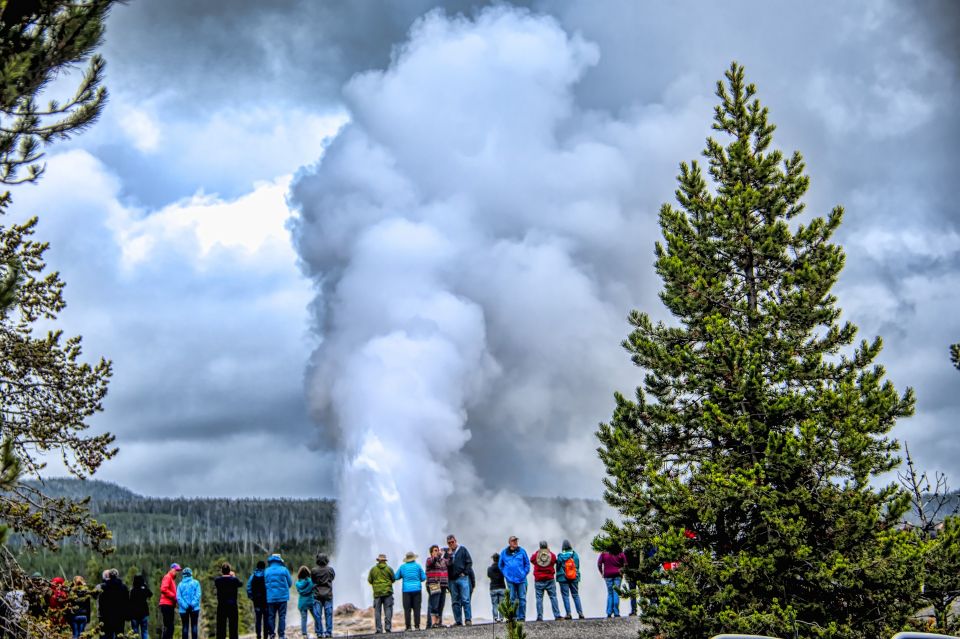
x=303, y=227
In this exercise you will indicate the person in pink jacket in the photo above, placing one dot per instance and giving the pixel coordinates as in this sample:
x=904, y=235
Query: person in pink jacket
x=168, y=600
x=610, y=564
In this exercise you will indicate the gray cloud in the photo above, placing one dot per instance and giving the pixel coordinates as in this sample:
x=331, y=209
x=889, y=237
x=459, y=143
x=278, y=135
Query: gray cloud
x=232, y=93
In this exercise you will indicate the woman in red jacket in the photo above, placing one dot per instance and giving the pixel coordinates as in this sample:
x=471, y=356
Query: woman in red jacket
x=168, y=600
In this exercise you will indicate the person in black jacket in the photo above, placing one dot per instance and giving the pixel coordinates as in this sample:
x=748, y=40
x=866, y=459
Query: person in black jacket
x=257, y=593
x=498, y=587
x=139, y=606
x=78, y=614
x=112, y=605
x=459, y=571
x=323, y=575
x=227, y=586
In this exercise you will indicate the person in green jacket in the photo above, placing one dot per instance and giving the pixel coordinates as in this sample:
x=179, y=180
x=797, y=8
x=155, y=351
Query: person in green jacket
x=381, y=579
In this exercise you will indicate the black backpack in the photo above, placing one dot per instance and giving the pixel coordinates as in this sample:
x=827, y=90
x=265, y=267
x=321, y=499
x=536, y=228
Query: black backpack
x=258, y=589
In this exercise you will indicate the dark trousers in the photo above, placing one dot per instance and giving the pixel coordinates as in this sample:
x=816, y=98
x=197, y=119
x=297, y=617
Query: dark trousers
x=260, y=620
x=166, y=615
x=113, y=628
x=435, y=605
x=228, y=615
x=412, y=601
x=190, y=621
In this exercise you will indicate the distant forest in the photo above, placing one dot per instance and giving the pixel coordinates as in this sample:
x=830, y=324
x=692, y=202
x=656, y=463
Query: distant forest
x=149, y=532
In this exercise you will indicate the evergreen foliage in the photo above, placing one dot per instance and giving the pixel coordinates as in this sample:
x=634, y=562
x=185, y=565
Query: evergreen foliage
x=749, y=453
x=40, y=39
x=508, y=609
x=955, y=355
x=47, y=392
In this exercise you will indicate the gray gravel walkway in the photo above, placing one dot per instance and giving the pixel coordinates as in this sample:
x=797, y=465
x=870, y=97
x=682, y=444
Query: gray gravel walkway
x=622, y=628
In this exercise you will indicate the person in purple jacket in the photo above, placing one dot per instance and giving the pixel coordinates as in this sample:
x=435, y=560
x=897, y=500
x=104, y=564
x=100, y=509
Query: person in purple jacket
x=610, y=564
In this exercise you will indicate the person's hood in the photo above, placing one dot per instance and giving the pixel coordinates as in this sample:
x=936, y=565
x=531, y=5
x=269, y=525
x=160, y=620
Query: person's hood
x=304, y=581
x=187, y=573
x=275, y=559
x=258, y=572
x=57, y=581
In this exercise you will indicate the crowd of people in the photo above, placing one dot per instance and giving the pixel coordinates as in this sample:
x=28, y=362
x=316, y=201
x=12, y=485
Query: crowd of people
x=446, y=572
x=450, y=570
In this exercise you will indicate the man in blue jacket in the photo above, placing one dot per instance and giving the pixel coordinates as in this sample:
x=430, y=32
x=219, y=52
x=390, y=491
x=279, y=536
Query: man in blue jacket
x=515, y=566
x=278, y=581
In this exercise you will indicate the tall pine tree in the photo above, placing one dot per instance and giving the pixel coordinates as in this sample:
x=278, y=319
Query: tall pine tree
x=751, y=453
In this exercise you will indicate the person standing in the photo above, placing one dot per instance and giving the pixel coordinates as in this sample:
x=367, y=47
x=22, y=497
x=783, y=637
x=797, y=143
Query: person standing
x=568, y=576
x=189, y=594
x=458, y=574
x=277, y=580
x=437, y=583
x=515, y=566
x=168, y=600
x=57, y=603
x=323, y=575
x=257, y=594
x=228, y=613
x=411, y=575
x=306, y=602
x=381, y=578
x=79, y=615
x=112, y=604
x=139, y=606
x=545, y=579
x=611, y=563
x=498, y=588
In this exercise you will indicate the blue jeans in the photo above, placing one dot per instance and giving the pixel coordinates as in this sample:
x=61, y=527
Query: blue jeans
x=496, y=596
x=613, y=598
x=550, y=587
x=275, y=629
x=568, y=588
x=140, y=627
x=260, y=621
x=518, y=595
x=460, y=595
x=190, y=620
x=312, y=610
x=324, y=609
x=78, y=624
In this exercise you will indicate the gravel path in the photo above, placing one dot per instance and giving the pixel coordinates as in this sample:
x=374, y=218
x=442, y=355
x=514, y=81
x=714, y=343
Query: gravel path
x=622, y=628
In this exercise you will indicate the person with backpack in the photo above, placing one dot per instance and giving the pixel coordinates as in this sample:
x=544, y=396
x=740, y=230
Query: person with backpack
x=381, y=578
x=257, y=594
x=277, y=580
x=168, y=600
x=437, y=582
x=228, y=611
x=306, y=602
x=515, y=566
x=139, y=606
x=188, y=601
x=568, y=576
x=498, y=588
x=411, y=575
x=323, y=575
x=610, y=564
x=545, y=579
